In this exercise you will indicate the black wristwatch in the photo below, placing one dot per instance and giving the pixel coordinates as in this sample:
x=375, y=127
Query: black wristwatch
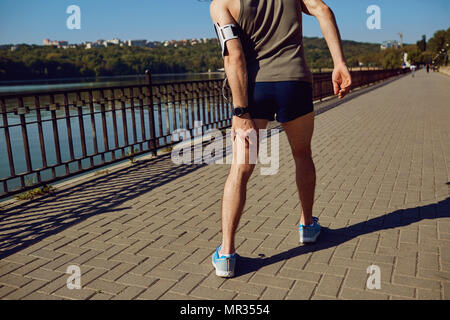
x=239, y=111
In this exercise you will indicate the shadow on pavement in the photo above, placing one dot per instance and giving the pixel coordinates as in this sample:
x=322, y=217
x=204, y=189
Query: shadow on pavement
x=26, y=223
x=331, y=238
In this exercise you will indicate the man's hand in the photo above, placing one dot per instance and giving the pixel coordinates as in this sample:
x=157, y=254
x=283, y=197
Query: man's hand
x=246, y=146
x=242, y=127
x=342, y=80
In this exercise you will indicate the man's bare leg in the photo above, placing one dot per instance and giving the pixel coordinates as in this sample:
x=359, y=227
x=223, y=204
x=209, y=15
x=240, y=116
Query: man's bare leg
x=234, y=196
x=299, y=132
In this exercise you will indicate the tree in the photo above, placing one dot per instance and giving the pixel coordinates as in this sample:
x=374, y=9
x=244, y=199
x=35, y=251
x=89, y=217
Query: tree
x=391, y=59
x=439, y=45
x=422, y=44
x=415, y=57
x=439, y=41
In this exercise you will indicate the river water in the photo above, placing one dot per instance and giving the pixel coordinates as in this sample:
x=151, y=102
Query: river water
x=55, y=84
x=168, y=120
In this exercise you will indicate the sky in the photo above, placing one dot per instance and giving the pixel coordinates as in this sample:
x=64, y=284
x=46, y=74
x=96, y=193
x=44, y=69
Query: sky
x=30, y=21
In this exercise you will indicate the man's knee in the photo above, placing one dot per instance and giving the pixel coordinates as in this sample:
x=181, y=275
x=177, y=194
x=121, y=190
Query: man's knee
x=302, y=153
x=242, y=172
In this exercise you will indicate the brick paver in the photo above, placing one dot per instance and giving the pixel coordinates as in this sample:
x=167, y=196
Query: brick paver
x=147, y=231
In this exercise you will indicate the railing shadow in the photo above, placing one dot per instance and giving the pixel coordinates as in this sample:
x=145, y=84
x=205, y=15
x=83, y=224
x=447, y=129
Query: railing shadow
x=334, y=237
x=26, y=223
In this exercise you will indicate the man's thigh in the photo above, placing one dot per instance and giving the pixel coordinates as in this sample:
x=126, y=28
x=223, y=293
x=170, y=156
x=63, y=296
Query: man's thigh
x=300, y=132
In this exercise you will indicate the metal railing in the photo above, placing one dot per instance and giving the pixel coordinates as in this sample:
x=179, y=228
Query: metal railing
x=323, y=86
x=46, y=137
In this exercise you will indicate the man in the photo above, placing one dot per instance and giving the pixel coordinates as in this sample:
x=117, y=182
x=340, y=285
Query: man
x=413, y=70
x=267, y=73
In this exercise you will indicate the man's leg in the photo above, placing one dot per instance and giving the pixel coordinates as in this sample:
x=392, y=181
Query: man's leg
x=299, y=133
x=234, y=195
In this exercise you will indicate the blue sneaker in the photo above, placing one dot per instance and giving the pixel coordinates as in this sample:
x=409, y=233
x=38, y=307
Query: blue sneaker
x=224, y=263
x=309, y=234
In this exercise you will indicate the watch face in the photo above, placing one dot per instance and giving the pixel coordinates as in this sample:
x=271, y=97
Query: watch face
x=238, y=112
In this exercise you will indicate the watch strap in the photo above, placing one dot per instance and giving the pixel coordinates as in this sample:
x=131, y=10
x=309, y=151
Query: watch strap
x=239, y=111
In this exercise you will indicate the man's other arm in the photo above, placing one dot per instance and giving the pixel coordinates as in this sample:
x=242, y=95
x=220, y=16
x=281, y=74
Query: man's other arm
x=341, y=76
x=235, y=64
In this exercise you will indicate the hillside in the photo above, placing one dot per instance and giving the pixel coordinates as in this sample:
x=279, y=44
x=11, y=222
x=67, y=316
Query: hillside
x=318, y=55
x=28, y=62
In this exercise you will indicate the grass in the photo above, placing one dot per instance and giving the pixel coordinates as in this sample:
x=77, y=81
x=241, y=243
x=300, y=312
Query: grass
x=31, y=194
x=133, y=151
x=167, y=149
x=100, y=172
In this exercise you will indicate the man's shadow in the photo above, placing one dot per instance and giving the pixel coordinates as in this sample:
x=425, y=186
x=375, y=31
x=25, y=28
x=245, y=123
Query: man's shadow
x=334, y=237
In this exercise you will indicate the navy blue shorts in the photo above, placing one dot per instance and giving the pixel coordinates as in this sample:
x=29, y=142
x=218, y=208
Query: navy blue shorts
x=289, y=100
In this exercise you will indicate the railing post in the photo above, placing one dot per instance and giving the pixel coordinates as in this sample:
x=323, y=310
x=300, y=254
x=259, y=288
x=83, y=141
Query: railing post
x=12, y=169
x=153, y=145
x=320, y=87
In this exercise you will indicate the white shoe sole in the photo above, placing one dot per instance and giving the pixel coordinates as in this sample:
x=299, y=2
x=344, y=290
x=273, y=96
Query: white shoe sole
x=309, y=240
x=223, y=274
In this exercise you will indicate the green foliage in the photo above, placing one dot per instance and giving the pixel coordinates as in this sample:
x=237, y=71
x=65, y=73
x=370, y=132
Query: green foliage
x=29, y=62
x=422, y=44
x=100, y=172
x=439, y=45
x=38, y=62
x=439, y=41
x=318, y=54
x=33, y=193
x=391, y=58
x=132, y=152
x=167, y=149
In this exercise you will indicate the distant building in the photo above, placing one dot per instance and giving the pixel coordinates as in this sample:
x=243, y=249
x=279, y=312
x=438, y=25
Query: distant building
x=48, y=42
x=59, y=44
x=390, y=44
x=137, y=43
x=95, y=44
x=114, y=41
x=132, y=43
x=153, y=44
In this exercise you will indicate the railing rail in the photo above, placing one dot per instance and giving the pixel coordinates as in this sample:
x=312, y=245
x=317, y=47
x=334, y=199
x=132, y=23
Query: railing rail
x=46, y=137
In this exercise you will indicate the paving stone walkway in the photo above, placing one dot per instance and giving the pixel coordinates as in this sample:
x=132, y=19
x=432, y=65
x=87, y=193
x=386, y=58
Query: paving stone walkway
x=147, y=231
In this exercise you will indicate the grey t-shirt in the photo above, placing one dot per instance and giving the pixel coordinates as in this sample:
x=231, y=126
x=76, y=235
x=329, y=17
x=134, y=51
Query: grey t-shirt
x=272, y=40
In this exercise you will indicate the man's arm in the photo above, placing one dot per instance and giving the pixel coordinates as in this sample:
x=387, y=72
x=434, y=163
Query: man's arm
x=341, y=76
x=235, y=64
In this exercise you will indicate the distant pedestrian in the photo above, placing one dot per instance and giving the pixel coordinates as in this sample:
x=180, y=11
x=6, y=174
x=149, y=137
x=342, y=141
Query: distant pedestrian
x=413, y=70
x=428, y=68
